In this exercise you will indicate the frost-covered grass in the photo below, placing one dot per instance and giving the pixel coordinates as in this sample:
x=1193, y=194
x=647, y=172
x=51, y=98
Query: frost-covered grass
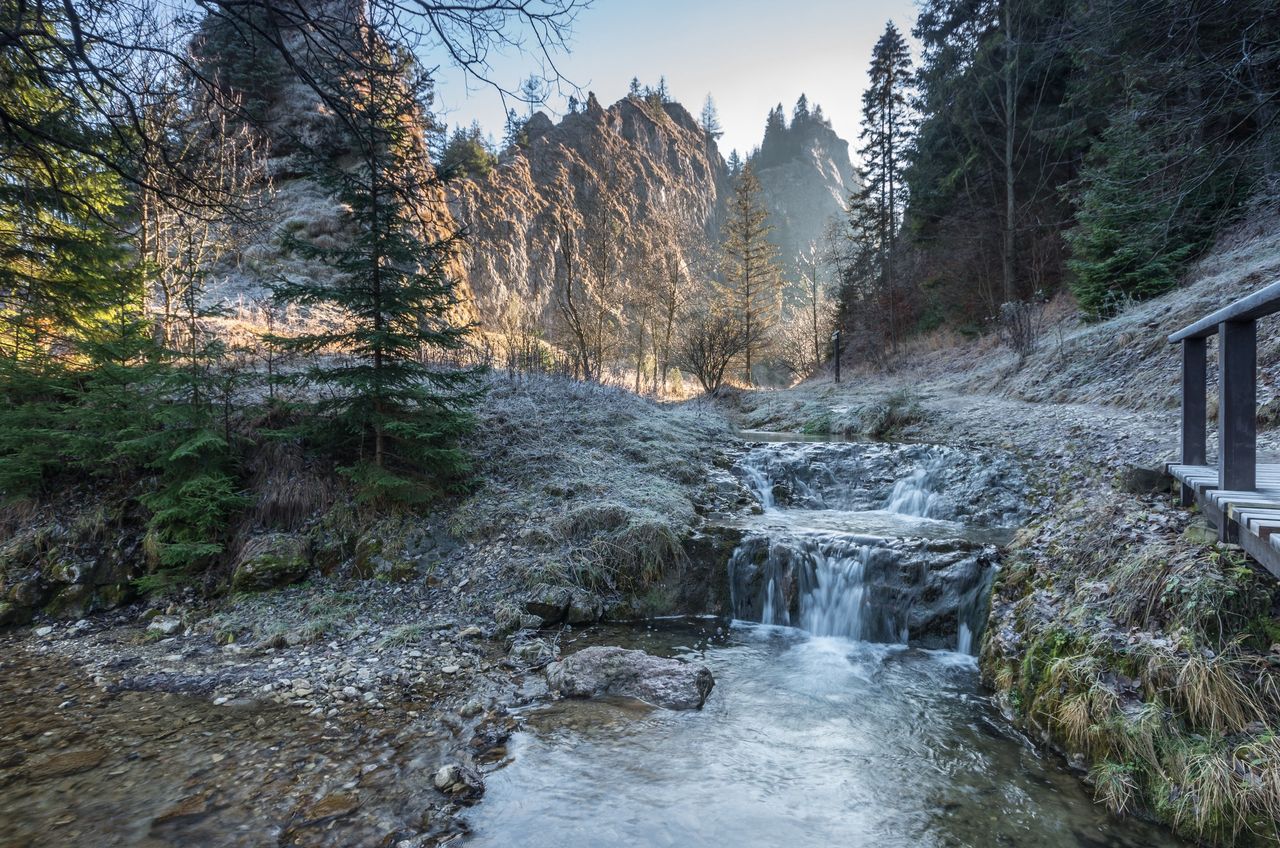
x=1149, y=656
x=601, y=481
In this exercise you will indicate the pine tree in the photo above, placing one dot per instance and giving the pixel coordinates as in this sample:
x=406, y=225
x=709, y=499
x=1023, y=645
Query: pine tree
x=886, y=138
x=634, y=89
x=752, y=277
x=710, y=120
x=800, y=114
x=390, y=418
x=734, y=163
x=467, y=154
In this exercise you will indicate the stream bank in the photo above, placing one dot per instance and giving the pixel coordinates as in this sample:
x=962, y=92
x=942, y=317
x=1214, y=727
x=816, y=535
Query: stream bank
x=1121, y=635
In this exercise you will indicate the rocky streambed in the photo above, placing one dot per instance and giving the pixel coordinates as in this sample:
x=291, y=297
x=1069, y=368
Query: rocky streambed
x=841, y=706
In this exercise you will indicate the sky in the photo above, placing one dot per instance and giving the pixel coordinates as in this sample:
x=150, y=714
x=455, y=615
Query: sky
x=748, y=54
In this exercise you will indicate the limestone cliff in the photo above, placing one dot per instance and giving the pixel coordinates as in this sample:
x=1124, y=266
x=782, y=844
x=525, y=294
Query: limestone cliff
x=806, y=177
x=646, y=168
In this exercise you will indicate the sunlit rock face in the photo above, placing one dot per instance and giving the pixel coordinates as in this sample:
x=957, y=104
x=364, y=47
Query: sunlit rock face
x=646, y=170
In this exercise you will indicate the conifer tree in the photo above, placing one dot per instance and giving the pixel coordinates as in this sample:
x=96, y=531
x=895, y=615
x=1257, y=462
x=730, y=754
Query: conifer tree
x=710, y=120
x=734, y=163
x=800, y=114
x=393, y=420
x=885, y=139
x=515, y=136
x=61, y=256
x=752, y=278
x=467, y=154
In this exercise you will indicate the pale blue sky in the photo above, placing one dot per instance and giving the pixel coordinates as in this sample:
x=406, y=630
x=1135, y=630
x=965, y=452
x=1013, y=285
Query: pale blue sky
x=749, y=54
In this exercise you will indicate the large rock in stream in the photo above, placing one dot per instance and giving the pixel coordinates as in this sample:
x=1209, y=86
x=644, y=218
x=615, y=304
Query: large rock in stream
x=603, y=671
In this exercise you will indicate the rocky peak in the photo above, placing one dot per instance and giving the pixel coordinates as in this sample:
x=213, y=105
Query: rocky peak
x=648, y=167
x=806, y=175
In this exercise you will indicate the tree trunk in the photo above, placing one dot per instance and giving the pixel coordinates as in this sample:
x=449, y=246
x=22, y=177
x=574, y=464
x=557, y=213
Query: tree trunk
x=1009, y=118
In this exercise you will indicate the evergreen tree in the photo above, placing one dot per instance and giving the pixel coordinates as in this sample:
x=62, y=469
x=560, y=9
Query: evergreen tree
x=886, y=137
x=61, y=256
x=800, y=114
x=710, y=120
x=515, y=136
x=533, y=93
x=574, y=105
x=393, y=420
x=60, y=252
x=634, y=89
x=734, y=163
x=752, y=277
x=87, y=387
x=775, y=131
x=467, y=154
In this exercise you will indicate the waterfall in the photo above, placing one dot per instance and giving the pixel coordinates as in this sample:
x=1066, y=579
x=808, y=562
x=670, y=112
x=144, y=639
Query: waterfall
x=834, y=586
x=853, y=577
x=916, y=494
x=759, y=483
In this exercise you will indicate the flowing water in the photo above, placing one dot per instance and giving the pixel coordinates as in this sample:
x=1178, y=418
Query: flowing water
x=847, y=708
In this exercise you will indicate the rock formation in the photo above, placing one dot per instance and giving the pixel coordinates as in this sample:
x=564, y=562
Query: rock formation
x=806, y=177
x=647, y=168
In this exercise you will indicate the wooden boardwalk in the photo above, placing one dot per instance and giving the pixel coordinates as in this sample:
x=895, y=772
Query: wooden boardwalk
x=1241, y=497
x=1250, y=519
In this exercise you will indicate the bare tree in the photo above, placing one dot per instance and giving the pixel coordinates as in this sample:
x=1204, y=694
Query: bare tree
x=183, y=231
x=710, y=341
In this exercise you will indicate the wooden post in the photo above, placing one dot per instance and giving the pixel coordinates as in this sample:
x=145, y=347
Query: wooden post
x=1194, y=407
x=1237, y=406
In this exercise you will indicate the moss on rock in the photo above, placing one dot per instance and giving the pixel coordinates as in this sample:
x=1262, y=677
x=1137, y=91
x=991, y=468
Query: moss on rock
x=270, y=561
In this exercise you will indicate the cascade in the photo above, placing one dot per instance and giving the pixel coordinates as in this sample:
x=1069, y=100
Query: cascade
x=909, y=587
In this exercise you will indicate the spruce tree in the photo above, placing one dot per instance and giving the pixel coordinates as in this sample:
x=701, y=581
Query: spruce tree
x=467, y=154
x=710, y=120
x=885, y=140
x=392, y=420
x=752, y=277
x=61, y=253
x=734, y=163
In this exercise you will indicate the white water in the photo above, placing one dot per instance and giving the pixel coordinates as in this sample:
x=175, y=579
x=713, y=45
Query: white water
x=835, y=572
x=916, y=494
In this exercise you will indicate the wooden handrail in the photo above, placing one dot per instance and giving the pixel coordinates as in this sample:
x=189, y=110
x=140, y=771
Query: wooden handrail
x=1237, y=331
x=1260, y=304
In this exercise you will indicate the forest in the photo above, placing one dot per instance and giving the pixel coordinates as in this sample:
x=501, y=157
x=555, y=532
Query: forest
x=358, y=460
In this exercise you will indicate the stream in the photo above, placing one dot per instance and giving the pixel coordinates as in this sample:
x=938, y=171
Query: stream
x=847, y=709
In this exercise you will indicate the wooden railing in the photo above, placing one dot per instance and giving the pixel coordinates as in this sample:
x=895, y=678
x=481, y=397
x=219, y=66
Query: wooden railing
x=1236, y=327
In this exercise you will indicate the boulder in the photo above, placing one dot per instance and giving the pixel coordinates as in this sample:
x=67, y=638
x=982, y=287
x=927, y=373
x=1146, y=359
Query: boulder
x=608, y=671
x=549, y=603
x=12, y=614
x=271, y=560
x=584, y=608
x=458, y=782
x=1140, y=480
x=533, y=652
x=165, y=625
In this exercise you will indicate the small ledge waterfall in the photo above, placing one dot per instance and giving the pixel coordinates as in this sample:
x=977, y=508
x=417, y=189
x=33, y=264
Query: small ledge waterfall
x=876, y=543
